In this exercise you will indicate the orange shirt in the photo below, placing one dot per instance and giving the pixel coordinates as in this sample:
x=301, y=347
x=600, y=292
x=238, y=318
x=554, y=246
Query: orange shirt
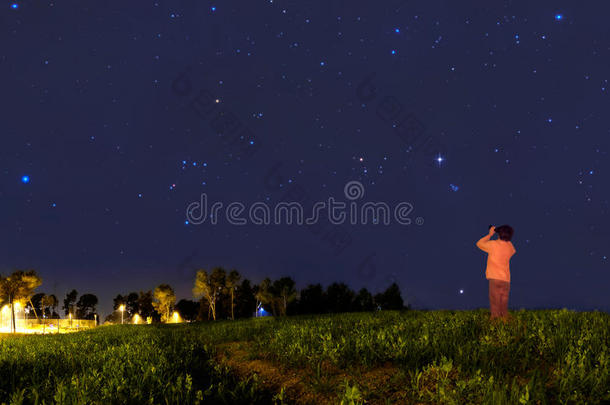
x=499, y=253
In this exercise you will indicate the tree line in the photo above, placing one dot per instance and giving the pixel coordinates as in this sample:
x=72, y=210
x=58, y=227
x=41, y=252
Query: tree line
x=222, y=294
x=217, y=294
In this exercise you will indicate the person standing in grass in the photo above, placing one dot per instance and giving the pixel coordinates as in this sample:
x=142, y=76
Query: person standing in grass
x=499, y=251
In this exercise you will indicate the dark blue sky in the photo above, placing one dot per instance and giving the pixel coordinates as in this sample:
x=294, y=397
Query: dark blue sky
x=102, y=107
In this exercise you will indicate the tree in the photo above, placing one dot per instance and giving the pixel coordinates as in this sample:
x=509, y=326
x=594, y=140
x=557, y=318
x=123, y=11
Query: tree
x=231, y=284
x=164, y=300
x=19, y=287
x=264, y=295
x=145, y=305
x=118, y=301
x=312, y=300
x=340, y=297
x=364, y=301
x=210, y=287
x=390, y=298
x=37, y=304
x=245, y=302
x=69, y=302
x=49, y=302
x=188, y=309
x=85, y=307
x=284, y=292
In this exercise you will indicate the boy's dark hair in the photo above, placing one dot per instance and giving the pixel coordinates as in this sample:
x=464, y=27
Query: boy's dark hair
x=505, y=232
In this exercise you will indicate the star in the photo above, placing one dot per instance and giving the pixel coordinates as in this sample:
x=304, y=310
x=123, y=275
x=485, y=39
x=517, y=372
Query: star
x=14, y=6
x=558, y=17
x=461, y=291
x=25, y=179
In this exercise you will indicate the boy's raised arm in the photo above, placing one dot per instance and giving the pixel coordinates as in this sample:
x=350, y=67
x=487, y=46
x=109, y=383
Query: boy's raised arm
x=483, y=243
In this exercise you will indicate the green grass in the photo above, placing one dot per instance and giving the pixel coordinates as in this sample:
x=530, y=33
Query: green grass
x=433, y=357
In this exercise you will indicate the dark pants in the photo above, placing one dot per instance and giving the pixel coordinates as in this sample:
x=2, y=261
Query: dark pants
x=498, y=298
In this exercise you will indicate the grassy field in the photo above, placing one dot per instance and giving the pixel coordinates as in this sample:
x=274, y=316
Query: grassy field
x=435, y=357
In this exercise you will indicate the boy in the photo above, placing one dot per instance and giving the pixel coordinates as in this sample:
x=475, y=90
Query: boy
x=499, y=252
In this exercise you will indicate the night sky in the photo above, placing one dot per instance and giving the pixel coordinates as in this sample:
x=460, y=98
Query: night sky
x=115, y=116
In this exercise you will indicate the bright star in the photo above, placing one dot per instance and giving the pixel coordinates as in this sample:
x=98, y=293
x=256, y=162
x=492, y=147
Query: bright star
x=461, y=291
x=25, y=179
x=397, y=30
x=393, y=52
x=558, y=17
x=14, y=6
x=439, y=159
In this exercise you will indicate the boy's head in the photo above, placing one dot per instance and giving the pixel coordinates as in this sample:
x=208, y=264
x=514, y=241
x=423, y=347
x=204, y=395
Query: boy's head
x=505, y=232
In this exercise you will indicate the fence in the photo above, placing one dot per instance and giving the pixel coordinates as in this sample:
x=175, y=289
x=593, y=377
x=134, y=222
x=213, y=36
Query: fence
x=45, y=325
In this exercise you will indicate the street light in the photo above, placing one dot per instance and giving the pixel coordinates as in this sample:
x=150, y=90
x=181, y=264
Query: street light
x=122, y=309
x=136, y=319
x=176, y=317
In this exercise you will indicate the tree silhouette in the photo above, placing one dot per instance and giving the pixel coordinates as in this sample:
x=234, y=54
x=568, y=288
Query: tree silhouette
x=312, y=300
x=85, y=307
x=188, y=309
x=245, y=302
x=284, y=292
x=390, y=298
x=145, y=305
x=231, y=284
x=69, y=302
x=49, y=302
x=364, y=301
x=264, y=295
x=339, y=297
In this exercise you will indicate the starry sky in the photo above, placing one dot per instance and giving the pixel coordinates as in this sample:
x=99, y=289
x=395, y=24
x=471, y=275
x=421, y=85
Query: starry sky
x=115, y=116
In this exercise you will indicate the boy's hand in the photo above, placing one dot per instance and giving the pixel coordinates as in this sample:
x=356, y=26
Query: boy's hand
x=492, y=230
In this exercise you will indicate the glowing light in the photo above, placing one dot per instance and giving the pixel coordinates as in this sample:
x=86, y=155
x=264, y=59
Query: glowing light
x=14, y=6
x=461, y=291
x=393, y=51
x=558, y=17
x=25, y=179
x=136, y=319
